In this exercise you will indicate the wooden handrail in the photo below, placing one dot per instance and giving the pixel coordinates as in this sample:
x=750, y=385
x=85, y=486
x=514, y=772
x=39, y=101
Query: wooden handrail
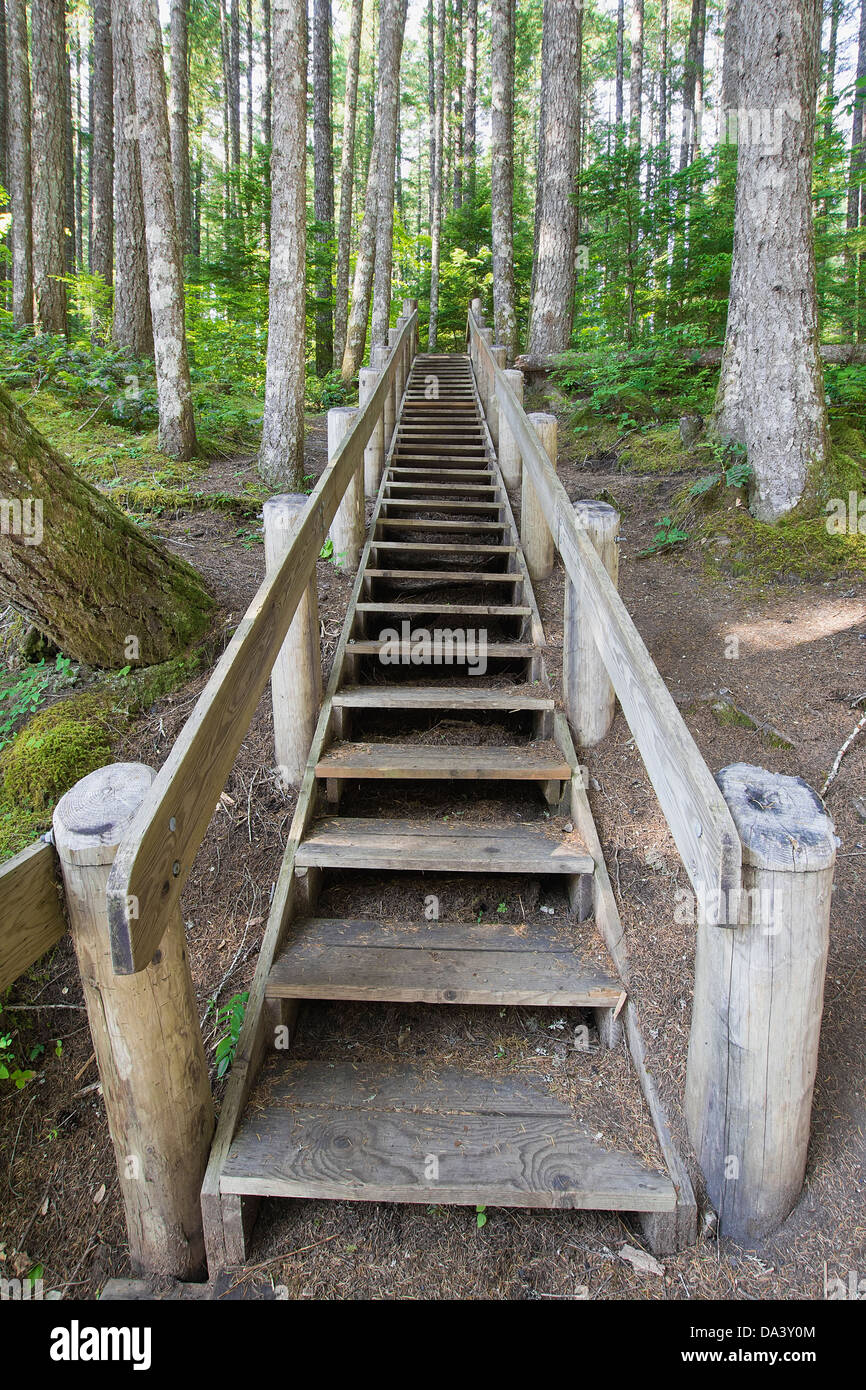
x=31, y=909
x=156, y=855
x=696, y=812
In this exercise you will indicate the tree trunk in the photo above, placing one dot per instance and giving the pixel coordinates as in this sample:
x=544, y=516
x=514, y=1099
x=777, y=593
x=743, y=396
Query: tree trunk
x=431, y=106
x=439, y=168
x=4, y=101
x=79, y=569
x=553, y=301
x=267, y=103
x=858, y=163
x=620, y=64
x=690, y=78
x=771, y=392
x=68, y=162
x=102, y=147
x=832, y=54
x=79, y=154
x=323, y=183
x=502, y=173
x=469, y=99
x=699, y=84
x=458, y=106
x=179, y=121
x=731, y=65
x=539, y=172
x=164, y=259
x=235, y=83
x=392, y=21
x=132, y=327
x=19, y=165
x=663, y=91
x=48, y=36
x=347, y=173
x=249, y=75
x=635, y=110
x=282, y=455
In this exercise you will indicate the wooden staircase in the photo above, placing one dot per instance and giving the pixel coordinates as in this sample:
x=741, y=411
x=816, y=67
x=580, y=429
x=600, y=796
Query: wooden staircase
x=405, y=727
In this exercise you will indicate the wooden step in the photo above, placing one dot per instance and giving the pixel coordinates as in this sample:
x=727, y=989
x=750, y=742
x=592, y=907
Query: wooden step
x=347, y=842
x=447, y=610
x=455, y=549
x=439, y=504
x=365, y=1130
x=446, y=576
x=457, y=697
x=444, y=963
x=497, y=651
x=437, y=488
x=532, y=762
x=433, y=524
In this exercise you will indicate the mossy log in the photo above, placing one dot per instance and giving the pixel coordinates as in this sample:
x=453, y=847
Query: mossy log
x=83, y=573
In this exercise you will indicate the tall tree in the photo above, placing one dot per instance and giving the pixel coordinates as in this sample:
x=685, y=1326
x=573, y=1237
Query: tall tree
x=690, y=80
x=323, y=183
x=48, y=151
x=94, y=578
x=771, y=390
x=249, y=77
x=636, y=76
x=4, y=103
x=553, y=300
x=459, y=59
x=832, y=56
x=267, y=102
x=235, y=82
x=131, y=325
x=347, y=179
x=69, y=230
x=856, y=174
x=470, y=99
x=620, y=64
x=502, y=172
x=731, y=63
x=431, y=104
x=164, y=258
x=439, y=170
x=281, y=460
x=392, y=20
x=19, y=164
x=102, y=146
x=179, y=120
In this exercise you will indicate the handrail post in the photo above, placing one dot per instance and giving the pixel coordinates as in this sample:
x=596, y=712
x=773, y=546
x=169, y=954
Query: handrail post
x=347, y=528
x=399, y=366
x=296, y=677
x=758, y=997
x=510, y=461
x=590, y=699
x=485, y=381
x=145, y=1033
x=374, y=454
x=379, y=358
x=537, y=541
x=500, y=355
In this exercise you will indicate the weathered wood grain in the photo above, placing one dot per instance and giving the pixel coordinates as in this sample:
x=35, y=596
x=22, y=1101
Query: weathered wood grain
x=31, y=910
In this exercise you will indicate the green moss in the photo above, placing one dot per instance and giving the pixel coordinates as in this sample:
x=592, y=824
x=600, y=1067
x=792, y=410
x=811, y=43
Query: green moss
x=56, y=749
x=727, y=715
x=661, y=450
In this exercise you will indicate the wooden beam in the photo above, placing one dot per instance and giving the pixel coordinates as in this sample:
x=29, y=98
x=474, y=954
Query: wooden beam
x=31, y=910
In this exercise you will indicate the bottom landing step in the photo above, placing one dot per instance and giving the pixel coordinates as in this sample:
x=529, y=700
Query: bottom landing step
x=383, y=1131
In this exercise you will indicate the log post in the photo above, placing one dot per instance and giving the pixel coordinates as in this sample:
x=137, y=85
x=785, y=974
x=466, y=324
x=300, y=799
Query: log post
x=296, y=677
x=399, y=367
x=379, y=358
x=535, y=534
x=508, y=452
x=590, y=699
x=756, y=1014
x=485, y=382
x=500, y=355
x=145, y=1032
x=409, y=307
x=347, y=528
x=374, y=454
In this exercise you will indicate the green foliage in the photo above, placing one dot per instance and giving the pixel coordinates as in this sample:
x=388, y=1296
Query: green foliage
x=667, y=537
x=27, y=690
x=644, y=384
x=230, y=1021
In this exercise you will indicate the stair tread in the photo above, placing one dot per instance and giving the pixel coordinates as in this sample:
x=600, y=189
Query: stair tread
x=372, y=843
x=450, y=610
x=445, y=962
x=364, y=1131
x=438, y=697
x=504, y=650
x=535, y=762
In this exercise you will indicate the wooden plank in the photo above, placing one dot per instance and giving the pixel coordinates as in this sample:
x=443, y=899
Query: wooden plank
x=502, y=651
x=438, y=963
x=448, y=610
x=455, y=763
x=694, y=808
x=31, y=910
x=446, y=576
x=155, y=858
x=483, y=1157
x=552, y=936
x=437, y=505
x=433, y=524
x=378, y=544
x=439, y=697
x=348, y=842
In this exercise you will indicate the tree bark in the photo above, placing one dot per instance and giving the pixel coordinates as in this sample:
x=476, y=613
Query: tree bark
x=102, y=147
x=731, y=66
x=459, y=59
x=79, y=569
x=553, y=301
x=48, y=35
x=620, y=64
x=69, y=235
x=469, y=99
x=690, y=78
x=235, y=82
x=832, y=53
x=392, y=22
x=771, y=392
x=19, y=165
x=431, y=106
x=323, y=183
x=857, y=165
x=347, y=175
x=267, y=104
x=179, y=121
x=635, y=110
x=502, y=173
x=132, y=327
x=249, y=77
x=436, y=225
x=281, y=461
x=164, y=260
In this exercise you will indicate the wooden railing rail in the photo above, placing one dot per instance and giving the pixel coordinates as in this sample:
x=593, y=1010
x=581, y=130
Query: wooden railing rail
x=156, y=855
x=696, y=811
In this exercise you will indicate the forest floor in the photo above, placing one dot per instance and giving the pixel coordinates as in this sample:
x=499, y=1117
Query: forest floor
x=799, y=668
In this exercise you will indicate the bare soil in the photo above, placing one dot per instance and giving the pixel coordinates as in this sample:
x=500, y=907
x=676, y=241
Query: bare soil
x=801, y=663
